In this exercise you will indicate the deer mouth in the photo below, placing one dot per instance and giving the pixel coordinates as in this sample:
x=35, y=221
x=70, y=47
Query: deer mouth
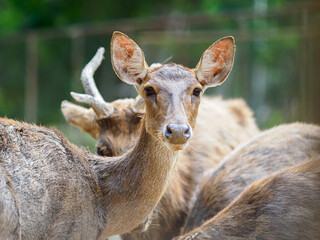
x=178, y=147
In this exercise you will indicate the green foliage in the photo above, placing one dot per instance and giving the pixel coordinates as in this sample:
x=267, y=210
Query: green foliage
x=10, y=17
x=17, y=15
x=54, y=78
x=12, y=68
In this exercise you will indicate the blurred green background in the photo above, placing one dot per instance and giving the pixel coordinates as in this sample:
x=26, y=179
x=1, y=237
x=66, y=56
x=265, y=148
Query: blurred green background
x=44, y=44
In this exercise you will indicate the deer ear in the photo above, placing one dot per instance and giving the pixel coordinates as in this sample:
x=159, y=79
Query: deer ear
x=216, y=63
x=138, y=105
x=81, y=117
x=127, y=59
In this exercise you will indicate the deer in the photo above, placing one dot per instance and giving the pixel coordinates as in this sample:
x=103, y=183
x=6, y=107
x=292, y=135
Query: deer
x=53, y=189
x=270, y=151
x=283, y=205
x=221, y=126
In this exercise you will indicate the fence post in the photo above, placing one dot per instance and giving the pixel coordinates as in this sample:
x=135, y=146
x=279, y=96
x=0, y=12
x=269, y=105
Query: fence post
x=77, y=59
x=309, y=78
x=31, y=83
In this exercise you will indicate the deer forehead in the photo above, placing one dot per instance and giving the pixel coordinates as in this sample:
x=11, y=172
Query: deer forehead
x=173, y=78
x=123, y=103
x=120, y=120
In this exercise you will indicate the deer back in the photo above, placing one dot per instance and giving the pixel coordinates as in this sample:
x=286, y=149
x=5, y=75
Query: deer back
x=272, y=150
x=283, y=205
x=46, y=174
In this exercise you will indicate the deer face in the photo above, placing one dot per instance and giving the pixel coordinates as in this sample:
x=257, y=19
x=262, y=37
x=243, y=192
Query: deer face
x=119, y=131
x=171, y=92
x=172, y=96
x=115, y=133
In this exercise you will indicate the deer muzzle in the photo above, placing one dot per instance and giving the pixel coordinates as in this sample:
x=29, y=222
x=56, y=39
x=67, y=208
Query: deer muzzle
x=177, y=134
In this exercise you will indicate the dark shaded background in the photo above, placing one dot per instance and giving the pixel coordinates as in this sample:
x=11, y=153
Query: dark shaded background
x=44, y=45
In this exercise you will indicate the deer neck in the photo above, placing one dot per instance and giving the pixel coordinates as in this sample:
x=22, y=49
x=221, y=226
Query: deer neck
x=132, y=184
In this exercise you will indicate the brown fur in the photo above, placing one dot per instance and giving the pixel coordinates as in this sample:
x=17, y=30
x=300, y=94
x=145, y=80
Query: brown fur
x=116, y=134
x=81, y=117
x=221, y=126
x=171, y=211
x=65, y=192
x=9, y=209
x=122, y=131
x=216, y=134
x=282, y=206
x=33, y=170
x=272, y=150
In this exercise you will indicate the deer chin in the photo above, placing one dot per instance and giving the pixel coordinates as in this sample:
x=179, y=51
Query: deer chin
x=178, y=147
x=175, y=146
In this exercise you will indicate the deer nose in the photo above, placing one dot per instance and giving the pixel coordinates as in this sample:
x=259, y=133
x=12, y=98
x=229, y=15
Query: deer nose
x=177, y=134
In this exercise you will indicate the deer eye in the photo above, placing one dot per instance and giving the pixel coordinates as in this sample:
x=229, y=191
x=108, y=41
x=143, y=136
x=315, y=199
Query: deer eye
x=149, y=91
x=196, y=92
x=104, y=151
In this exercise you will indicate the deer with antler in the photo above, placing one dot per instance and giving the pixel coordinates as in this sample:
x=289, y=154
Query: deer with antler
x=50, y=189
x=221, y=126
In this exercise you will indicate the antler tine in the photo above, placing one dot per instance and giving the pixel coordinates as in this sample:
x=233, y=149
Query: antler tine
x=93, y=97
x=88, y=72
x=101, y=108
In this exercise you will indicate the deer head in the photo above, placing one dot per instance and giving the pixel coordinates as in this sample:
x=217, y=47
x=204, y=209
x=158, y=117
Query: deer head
x=114, y=125
x=116, y=133
x=170, y=93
